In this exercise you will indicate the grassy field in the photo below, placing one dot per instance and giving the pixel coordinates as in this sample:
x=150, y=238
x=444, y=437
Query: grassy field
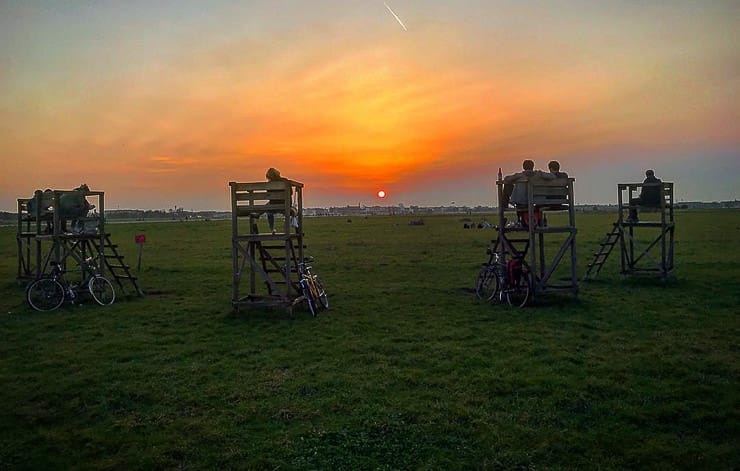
x=407, y=371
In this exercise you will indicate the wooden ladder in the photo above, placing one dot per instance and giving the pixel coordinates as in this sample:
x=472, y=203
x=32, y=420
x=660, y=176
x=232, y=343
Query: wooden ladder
x=274, y=263
x=116, y=266
x=606, y=247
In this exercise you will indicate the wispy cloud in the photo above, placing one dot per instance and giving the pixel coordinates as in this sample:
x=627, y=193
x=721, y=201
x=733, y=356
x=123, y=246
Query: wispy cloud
x=395, y=16
x=335, y=101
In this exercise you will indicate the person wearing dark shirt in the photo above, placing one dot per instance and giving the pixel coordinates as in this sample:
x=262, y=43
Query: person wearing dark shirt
x=554, y=167
x=650, y=195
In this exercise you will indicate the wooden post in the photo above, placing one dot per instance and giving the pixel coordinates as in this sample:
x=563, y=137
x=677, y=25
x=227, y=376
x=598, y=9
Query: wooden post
x=140, y=239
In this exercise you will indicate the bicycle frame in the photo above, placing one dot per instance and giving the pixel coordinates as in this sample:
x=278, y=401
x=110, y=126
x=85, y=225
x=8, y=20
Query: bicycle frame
x=48, y=293
x=313, y=291
x=511, y=280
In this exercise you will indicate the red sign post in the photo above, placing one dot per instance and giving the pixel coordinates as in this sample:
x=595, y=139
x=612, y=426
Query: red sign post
x=139, y=239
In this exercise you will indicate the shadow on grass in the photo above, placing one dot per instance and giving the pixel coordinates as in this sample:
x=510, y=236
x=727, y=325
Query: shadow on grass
x=265, y=314
x=645, y=281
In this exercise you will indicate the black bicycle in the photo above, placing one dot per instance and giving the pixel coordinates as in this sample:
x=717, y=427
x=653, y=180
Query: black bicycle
x=311, y=287
x=502, y=280
x=50, y=292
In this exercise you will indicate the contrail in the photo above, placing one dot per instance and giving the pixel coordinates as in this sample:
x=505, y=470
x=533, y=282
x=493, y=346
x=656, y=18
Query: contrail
x=396, y=17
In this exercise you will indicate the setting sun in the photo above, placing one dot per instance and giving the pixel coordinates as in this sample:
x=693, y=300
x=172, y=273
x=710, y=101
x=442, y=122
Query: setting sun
x=381, y=194
x=341, y=97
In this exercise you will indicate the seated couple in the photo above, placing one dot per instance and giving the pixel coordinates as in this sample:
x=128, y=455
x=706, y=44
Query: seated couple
x=515, y=189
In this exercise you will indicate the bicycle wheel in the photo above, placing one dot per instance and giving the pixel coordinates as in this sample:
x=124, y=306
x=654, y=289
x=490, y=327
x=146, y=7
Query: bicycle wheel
x=320, y=292
x=308, y=296
x=45, y=294
x=101, y=290
x=487, y=284
x=517, y=291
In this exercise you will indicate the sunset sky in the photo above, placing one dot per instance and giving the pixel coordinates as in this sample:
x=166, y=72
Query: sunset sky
x=163, y=103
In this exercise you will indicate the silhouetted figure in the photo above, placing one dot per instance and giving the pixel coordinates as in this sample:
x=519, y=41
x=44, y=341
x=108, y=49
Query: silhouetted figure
x=650, y=195
x=554, y=167
x=73, y=205
x=273, y=175
x=41, y=206
x=515, y=190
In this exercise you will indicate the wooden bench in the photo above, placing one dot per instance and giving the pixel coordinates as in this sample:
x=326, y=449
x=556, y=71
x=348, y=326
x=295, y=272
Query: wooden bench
x=553, y=195
x=254, y=199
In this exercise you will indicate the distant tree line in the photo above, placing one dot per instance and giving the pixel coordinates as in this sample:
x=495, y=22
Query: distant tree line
x=140, y=215
x=182, y=214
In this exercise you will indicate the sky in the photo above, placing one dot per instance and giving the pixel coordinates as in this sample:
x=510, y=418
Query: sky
x=161, y=104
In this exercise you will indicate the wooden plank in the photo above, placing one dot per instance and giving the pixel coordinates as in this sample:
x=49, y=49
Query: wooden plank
x=295, y=183
x=259, y=207
x=553, y=195
x=241, y=186
x=262, y=195
x=262, y=206
x=545, y=201
x=263, y=237
x=243, y=211
x=23, y=204
x=538, y=190
x=553, y=229
x=277, y=185
x=278, y=247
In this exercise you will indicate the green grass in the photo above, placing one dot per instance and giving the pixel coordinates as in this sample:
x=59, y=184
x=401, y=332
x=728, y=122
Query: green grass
x=407, y=371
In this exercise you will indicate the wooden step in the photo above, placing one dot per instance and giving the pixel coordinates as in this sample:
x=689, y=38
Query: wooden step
x=125, y=277
x=280, y=247
x=121, y=267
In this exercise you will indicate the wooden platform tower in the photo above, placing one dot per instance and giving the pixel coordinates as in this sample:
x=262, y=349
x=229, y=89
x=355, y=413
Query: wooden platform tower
x=265, y=265
x=640, y=242
x=531, y=239
x=45, y=235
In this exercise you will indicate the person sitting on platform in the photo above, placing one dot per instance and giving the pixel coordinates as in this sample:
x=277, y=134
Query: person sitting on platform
x=273, y=175
x=42, y=206
x=650, y=196
x=74, y=205
x=515, y=190
x=554, y=167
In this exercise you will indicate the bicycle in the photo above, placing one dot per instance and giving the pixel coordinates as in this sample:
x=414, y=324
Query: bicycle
x=50, y=292
x=311, y=287
x=501, y=280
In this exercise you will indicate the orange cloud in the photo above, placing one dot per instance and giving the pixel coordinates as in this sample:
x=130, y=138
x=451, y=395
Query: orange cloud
x=349, y=112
